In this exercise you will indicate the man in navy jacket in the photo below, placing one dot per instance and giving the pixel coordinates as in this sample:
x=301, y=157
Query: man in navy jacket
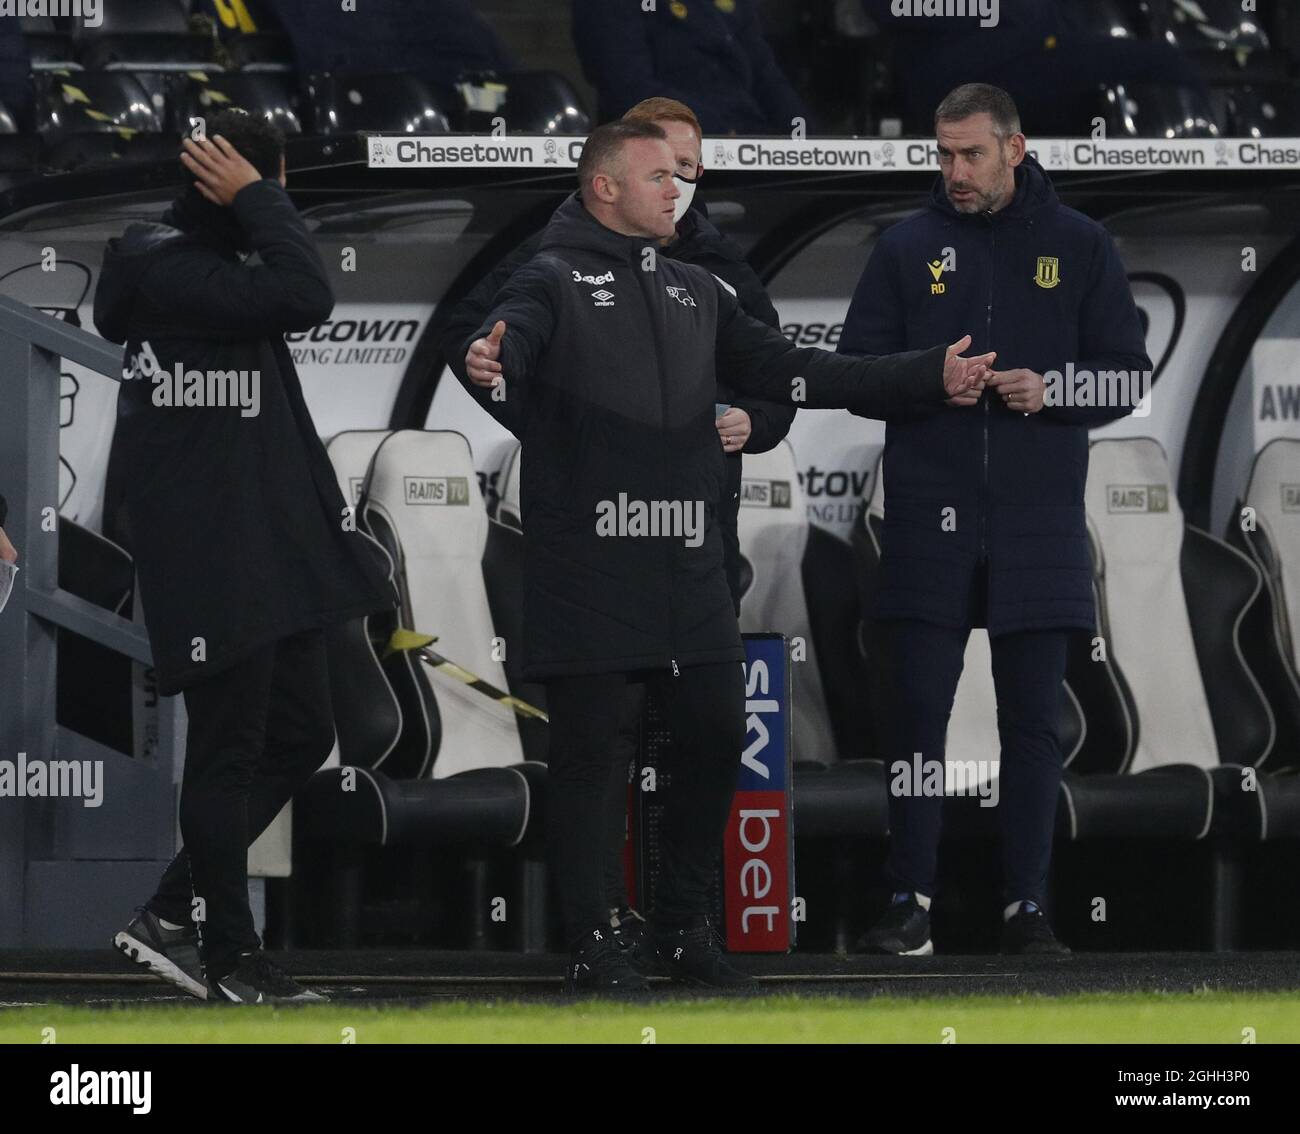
x=988, y=488
x=709, y=54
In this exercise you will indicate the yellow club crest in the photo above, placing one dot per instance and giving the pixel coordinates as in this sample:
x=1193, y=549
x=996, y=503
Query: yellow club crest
x=727, y=6
x=1049, y=272
x=678, y=9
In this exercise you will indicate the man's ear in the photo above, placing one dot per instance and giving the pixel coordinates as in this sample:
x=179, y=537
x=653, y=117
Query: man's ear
x=284, y=171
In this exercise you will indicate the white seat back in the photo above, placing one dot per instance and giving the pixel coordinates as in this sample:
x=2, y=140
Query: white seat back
x=1137, y=529
x=424, y=486
x=1274, y=494
x=773, y=529
x=509, y=510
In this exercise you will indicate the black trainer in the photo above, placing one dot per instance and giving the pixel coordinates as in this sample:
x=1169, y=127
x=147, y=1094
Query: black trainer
x=599, y=963
x=694, y=954
x=904, y=930
x=257, y=980
x=172, y=954
x=632, y=933
x=1028, y=932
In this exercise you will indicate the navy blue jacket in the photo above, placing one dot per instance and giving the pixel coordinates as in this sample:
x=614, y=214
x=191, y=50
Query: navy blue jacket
x=435, y=39
x=709, y=54
x=1016, y=482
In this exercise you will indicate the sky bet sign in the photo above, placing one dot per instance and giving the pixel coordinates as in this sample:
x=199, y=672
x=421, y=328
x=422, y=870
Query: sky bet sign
x=758, y=852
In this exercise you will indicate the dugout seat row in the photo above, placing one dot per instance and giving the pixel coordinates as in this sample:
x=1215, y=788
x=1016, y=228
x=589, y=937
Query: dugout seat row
x=1180, y=715
x=425, y=761
x=85, y=117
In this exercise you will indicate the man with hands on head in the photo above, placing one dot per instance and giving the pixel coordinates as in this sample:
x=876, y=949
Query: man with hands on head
x=614, y=354
x=238, y=530
x=984, y=519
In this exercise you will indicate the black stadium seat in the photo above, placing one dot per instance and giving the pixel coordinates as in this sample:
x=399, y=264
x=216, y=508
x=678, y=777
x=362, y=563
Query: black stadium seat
x=1218, y=25
x=1148, y=110
x=395, y=101
x=530, y=102
x=265, y=95
x=141, y=32
x=46, y=42
x=18, y=152
x=479, y=810
x=1190, y=713
x=85, y=117
x=1265, y=110
x=1269, y=631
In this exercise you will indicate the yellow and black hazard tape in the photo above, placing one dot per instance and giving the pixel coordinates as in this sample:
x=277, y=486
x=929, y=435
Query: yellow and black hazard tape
x=404, y=641
x=73, y=95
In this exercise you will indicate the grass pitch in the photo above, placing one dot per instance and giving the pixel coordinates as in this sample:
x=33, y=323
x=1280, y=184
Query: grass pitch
x=1098, y=1018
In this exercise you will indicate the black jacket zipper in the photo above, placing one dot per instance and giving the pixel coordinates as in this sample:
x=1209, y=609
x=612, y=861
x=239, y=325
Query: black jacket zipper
x=655, y=329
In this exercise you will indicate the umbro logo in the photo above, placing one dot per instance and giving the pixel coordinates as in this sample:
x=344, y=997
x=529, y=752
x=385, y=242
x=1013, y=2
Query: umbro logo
x=603, y=298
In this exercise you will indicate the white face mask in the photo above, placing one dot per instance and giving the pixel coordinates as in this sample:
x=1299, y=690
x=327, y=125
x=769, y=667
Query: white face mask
x=688, y=195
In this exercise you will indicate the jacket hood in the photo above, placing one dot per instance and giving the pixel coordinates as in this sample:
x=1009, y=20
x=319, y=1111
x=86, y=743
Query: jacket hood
x=572, y=226
x=125, y=260
x=1034, y=192
x=126, y=257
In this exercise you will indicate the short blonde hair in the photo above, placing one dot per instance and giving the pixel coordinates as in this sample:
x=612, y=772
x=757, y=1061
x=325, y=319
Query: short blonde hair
x=664, y=110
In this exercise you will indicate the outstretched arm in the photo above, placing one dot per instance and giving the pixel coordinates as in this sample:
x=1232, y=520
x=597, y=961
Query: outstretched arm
x=761, y=361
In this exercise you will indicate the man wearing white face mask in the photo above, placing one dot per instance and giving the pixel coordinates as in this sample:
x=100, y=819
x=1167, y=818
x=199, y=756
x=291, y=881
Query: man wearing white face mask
x=749, y=425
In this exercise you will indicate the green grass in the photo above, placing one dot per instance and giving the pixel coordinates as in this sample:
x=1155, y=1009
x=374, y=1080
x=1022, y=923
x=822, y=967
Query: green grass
x=1206, y=1017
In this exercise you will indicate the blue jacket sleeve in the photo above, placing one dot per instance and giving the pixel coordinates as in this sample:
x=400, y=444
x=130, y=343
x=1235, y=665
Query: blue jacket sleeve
x=1110, y=336
x=876, y=323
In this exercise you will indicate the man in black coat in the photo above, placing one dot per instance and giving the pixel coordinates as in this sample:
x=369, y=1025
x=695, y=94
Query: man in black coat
x=244, y=547
x=614, y=353
x=749, y=425
x=984, y=520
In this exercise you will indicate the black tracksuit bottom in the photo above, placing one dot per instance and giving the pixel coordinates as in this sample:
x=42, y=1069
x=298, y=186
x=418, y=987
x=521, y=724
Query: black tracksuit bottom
x=257, y=731
x=705, y=709
x=922, y=664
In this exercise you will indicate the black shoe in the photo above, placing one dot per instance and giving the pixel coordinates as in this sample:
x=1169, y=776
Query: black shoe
x=599, y=963
x=632, y=933
x=256, y=980
x=1028, y=932
x=694, y=955
x=172, y=954
x=904, y=930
